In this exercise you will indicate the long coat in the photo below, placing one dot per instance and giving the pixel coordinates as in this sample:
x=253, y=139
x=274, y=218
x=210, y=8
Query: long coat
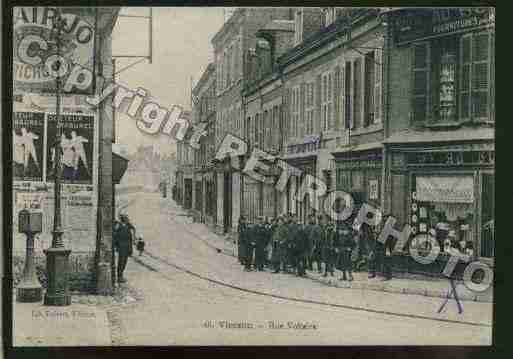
x=124, y=234
x=327, y=242
x=314, y=233
x=279, y=240
x=243, y=241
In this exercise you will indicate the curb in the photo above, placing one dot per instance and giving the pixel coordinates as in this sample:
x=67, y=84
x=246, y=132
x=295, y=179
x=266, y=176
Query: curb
x=379, y=287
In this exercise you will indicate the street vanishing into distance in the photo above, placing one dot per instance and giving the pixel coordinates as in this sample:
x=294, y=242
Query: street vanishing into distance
x=193, y=293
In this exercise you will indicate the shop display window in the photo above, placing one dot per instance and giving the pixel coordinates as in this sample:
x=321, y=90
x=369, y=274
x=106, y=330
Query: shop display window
x=443, y=207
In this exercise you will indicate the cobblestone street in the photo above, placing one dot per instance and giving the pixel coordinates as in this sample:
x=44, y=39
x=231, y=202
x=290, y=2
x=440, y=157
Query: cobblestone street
x=190, y=292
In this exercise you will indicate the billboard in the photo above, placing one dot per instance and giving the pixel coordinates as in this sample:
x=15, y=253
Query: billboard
x=38, y=58
x=28, y=143
x=76, y=134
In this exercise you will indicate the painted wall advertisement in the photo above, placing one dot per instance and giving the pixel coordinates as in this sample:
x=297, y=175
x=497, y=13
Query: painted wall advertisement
x=76, y=133
x=34, y=145
x=28, y=142
x=36, y=51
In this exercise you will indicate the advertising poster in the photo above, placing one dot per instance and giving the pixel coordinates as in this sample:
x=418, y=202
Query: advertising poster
x=28, y=142
x=76, y=132
x=34, y=29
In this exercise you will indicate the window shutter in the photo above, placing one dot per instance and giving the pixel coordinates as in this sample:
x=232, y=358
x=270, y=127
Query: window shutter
x=466, y=64
x=318, y=112
x=351, y=96
x=286, y=113
x=302, y=111
x=480, y=75
x=420, y=81
x=492, y=77
x=330, y=93
x=336, y=97
x=361, y=74
x=378, y=92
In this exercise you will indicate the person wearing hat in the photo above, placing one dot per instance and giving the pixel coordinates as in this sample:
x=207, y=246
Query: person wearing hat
x=279, y=237
x=260, y=234
x=123, y=236
x=344, y=245
x=329, y=255
x=313, y=231
x=242, y=230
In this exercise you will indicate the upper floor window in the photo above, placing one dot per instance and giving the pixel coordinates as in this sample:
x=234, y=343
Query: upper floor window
x=453, y=79
x=295, y=112
x=298, y=27
x=329, y=16
x=327, y=101
x=309, y=108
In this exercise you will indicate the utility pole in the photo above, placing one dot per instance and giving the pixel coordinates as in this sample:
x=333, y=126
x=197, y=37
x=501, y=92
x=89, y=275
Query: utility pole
x=57, y=257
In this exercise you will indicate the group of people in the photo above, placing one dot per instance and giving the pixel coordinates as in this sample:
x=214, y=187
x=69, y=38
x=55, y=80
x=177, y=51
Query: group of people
x=285, y=245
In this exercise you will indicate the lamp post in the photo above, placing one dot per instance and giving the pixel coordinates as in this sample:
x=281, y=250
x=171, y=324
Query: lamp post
x=57, y=293
x=29, y=289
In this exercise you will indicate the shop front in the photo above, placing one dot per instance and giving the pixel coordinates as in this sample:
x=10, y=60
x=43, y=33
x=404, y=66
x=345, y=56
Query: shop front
x=448, y=193
x=360, y=173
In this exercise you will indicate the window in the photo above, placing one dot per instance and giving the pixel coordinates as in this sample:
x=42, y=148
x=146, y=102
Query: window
x=452, y=79
x=298, y=27
x=369, y=89
x=257, y=130
x=327, y=101
x=295, y=106
x=329, y=16
x=309, y=108
x=357, y=92
x=420, y=81
x=267, y=131
x=347, y=96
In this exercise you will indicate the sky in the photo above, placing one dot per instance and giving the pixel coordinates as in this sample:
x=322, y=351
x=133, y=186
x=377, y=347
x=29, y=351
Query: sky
x=181, y=48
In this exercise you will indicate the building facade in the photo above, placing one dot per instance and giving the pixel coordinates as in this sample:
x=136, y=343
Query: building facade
x=440, y=133
x=230, y=44
x=184, y=170
x=87, y=197
x=205, y=178
x=263, y=110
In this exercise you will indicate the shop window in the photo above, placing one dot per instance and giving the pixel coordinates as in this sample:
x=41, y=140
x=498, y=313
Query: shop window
x=443, y=207
x=487, y=216
x=452, y=79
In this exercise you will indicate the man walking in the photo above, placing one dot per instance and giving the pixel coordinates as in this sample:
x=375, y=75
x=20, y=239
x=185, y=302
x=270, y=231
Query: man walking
x=124, y=235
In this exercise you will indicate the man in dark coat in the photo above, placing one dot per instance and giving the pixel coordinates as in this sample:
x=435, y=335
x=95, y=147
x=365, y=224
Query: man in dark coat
x=260, y=233
x=279, y=238
x=242, y=230
x=301, y=249
x=124, y=235
x=328, y=246
x=250, y=245
x=313, y=244
x=345, y=244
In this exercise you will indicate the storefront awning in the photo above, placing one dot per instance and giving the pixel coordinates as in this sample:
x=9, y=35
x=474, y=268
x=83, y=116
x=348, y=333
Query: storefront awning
x=119, y=166
x=428, y=136
x=355, y=148
x=445, y=189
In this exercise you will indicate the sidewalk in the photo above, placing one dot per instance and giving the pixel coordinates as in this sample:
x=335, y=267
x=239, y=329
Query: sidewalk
x=429, y=287
x=75, y=325
x=90, y=320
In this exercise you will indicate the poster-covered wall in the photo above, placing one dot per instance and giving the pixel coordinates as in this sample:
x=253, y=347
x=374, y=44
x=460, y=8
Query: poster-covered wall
x=33, y=182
